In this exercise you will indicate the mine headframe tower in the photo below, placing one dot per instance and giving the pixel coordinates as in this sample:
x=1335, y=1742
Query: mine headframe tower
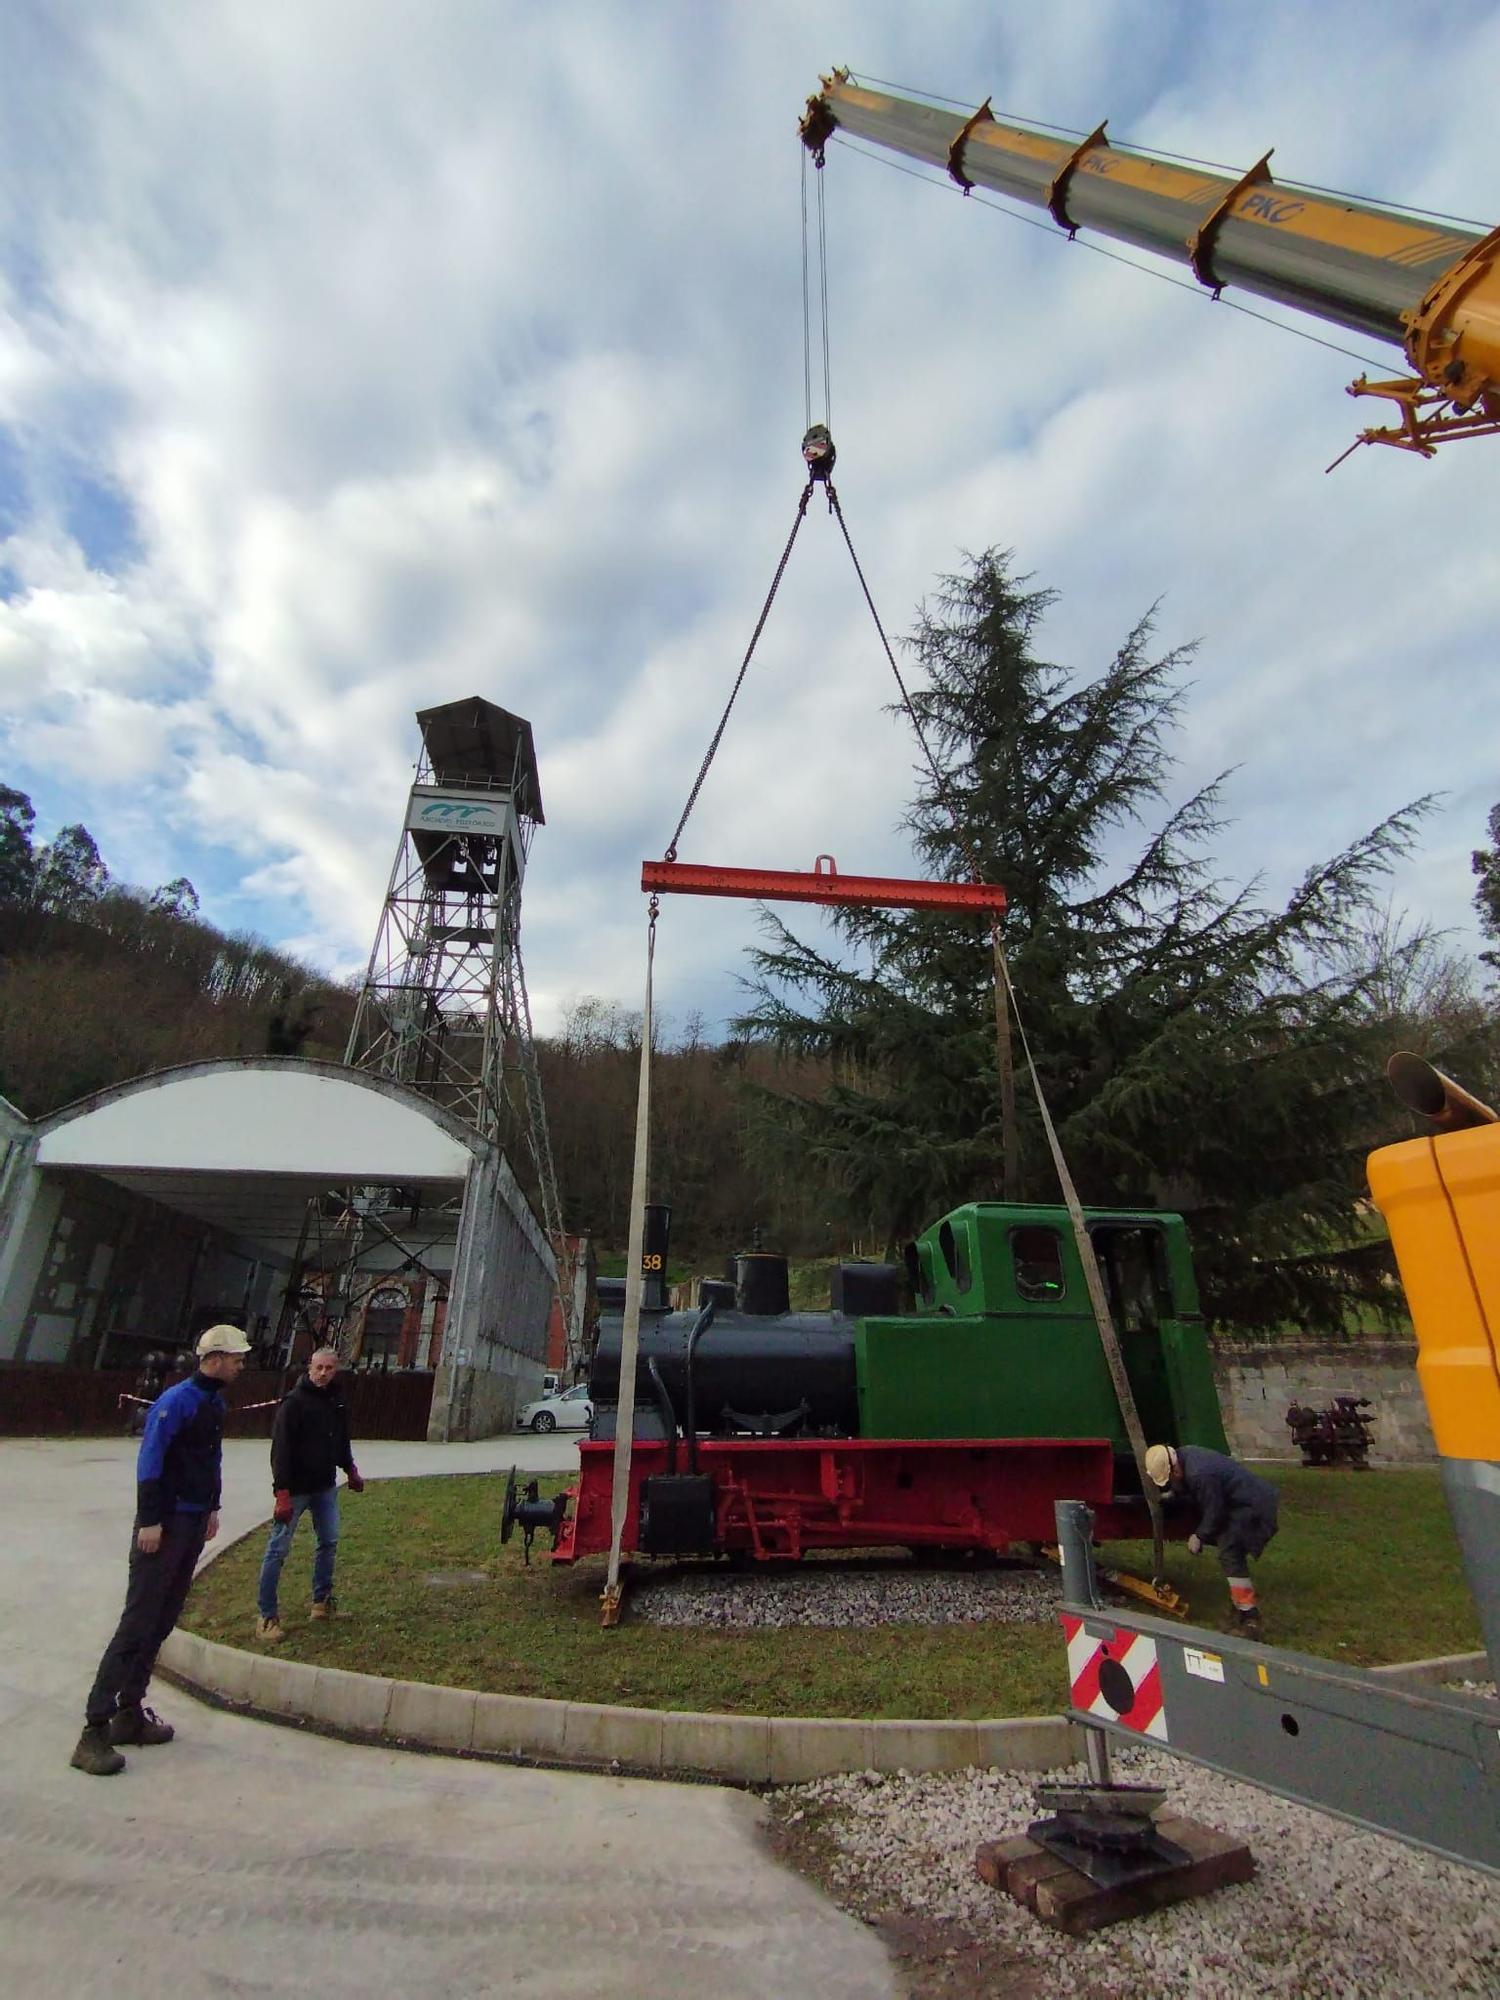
x=443, y=1006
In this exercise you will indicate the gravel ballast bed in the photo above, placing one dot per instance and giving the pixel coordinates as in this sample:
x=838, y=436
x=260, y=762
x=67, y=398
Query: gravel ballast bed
x=1332, y=1911
x=844, y=1594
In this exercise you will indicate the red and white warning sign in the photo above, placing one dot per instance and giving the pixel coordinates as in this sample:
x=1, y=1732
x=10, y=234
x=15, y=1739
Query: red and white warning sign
x=1115, y=1676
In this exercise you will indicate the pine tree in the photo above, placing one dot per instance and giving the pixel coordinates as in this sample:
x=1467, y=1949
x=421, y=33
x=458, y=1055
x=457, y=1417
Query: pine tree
x=17, y=861
x=1486, y=865
x=1199, y=1051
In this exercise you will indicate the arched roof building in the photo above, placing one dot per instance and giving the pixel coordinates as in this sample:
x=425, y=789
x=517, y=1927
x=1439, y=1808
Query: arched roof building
x=263, y=1190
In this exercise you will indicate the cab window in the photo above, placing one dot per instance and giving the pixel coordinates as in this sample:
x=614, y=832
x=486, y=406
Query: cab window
x=955, y=1248
x=1036, y=1257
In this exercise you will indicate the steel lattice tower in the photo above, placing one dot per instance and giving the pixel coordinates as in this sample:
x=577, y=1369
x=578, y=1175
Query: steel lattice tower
x=443, y=1007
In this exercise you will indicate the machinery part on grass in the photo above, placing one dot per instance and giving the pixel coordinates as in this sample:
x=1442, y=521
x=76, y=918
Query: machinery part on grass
x=1336, y=1435
x=530, y=1513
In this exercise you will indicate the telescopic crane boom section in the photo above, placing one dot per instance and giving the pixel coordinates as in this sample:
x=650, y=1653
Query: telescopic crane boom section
x=1431, y=290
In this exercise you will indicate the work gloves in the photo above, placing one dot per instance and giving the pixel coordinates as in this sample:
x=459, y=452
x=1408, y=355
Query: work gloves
x=356, y=1483
x=283, y=1508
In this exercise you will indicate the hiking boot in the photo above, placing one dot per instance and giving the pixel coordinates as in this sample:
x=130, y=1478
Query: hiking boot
x=269, y=1632
x=95, y=1754
x=139, y=1725
x=1249, y=1624
x=324, y=1607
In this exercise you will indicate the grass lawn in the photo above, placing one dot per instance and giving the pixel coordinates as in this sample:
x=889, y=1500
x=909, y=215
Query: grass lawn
x=1365, y=1570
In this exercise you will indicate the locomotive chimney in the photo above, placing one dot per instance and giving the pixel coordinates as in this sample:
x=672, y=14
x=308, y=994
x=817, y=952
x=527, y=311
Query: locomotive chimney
x=654, y=1242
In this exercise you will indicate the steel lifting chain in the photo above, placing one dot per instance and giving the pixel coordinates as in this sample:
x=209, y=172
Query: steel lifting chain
x=739, y=679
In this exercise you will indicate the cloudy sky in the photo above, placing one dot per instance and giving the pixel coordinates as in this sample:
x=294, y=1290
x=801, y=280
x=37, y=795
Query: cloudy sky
x=355, y=357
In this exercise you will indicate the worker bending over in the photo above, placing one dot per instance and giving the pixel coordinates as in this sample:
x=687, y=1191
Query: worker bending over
x=1236, y=1514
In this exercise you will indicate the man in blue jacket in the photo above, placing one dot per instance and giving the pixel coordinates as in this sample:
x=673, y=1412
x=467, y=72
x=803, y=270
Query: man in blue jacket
x=1236, y=1512
x=179, y=1478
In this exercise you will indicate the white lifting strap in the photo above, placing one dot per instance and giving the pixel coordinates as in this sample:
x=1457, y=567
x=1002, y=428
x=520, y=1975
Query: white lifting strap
x=1108, y=1338
x=630, y=1333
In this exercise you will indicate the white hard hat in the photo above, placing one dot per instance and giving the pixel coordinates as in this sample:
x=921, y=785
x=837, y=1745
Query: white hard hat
x=1159, y=1464
x=222, y=1340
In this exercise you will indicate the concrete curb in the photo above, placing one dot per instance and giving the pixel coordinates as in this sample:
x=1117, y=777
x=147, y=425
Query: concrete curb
x=734, y=1749
x=1435, y=1672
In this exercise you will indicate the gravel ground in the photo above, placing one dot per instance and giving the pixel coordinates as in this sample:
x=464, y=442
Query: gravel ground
x=1333, y=1914
x=844, y=1594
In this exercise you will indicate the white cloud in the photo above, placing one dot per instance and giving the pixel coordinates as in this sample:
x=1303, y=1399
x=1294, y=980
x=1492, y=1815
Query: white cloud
x=468, y=360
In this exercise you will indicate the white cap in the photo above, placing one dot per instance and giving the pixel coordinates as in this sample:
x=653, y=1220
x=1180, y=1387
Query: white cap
x=1159, y=1464
x=222, y=1340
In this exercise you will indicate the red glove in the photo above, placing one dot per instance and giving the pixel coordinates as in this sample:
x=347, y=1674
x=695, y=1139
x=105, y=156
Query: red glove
x=283, y=1509
x=356, y=1483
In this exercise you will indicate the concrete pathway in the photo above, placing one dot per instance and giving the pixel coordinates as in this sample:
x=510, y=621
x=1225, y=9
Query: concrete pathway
x=249, y=1859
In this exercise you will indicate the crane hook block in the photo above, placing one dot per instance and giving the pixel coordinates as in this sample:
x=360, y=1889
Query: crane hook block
x=818, y=452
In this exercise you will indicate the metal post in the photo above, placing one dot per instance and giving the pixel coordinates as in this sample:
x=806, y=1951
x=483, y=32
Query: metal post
x=1096, y=1756
x=1075, y=1545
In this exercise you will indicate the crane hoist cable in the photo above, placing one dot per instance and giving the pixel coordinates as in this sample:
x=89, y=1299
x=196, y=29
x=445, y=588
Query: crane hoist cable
x=807, y=316
x=820, y=455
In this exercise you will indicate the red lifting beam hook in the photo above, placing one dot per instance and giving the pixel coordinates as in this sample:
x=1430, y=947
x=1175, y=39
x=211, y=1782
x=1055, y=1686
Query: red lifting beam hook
x=823, y=885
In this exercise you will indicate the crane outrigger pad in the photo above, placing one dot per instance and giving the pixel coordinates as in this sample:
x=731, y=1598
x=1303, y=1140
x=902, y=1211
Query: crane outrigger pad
x=823, y=885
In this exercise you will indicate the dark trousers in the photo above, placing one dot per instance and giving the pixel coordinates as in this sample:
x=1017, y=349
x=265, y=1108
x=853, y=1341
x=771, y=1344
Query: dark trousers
x=154, y=1597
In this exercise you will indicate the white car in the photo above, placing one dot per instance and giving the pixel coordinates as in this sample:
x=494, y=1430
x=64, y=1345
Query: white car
x=569, y=1410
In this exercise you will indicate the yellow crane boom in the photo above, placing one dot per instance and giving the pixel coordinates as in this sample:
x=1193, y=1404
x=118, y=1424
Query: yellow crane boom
x=1431, y=289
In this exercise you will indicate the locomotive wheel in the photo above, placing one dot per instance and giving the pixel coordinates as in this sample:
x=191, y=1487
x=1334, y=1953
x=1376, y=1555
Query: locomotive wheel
x=544, y=1421
x=508, y=1513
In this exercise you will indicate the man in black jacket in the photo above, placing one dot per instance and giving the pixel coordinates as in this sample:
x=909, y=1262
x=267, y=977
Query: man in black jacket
x=309, y=1442
x=1236, y=1512
x=179, y=1479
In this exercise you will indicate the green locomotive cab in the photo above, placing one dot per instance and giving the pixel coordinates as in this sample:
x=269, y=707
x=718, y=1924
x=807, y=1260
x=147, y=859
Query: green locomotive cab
x=1003, y=1342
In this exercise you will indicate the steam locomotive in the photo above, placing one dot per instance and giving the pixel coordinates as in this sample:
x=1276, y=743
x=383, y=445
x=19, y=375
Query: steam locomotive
x=953, y=1425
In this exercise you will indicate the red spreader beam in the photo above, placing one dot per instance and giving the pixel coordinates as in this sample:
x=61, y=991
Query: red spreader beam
x=823, y=885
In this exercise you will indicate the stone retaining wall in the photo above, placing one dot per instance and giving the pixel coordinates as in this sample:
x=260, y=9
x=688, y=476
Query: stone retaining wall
x=1257, y=1383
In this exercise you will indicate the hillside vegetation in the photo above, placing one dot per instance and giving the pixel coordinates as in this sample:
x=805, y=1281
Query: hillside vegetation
x=101, y=980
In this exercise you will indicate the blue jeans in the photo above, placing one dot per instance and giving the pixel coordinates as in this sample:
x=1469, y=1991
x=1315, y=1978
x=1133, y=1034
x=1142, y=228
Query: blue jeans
x=324, y=1508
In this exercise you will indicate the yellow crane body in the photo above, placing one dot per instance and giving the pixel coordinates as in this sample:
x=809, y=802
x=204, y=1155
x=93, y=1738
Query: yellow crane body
x=1440, y=1197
